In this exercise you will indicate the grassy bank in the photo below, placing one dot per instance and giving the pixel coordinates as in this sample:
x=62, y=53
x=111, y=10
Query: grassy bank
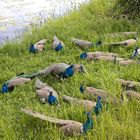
x=91, y=22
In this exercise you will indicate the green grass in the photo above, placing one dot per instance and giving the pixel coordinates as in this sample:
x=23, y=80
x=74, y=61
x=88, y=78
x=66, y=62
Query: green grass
x=91, y=22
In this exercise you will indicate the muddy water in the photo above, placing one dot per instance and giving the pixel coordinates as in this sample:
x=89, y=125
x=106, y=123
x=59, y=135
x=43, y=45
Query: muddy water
x=17, y=15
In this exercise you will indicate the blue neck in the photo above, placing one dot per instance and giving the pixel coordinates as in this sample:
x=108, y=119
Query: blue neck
x=4, y=88
x=59, y=47
x=52, y=100
x=32, y=49
x=81, y=89
x=88, y=124
x=68, y=72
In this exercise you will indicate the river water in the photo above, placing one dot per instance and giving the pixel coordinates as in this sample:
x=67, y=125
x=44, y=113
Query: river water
x=18, y=15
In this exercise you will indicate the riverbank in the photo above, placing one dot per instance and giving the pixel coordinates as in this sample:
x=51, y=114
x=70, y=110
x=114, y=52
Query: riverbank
x=16, y=17
x=91, y=23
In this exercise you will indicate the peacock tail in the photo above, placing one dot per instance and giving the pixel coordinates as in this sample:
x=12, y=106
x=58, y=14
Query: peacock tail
x=31, y=76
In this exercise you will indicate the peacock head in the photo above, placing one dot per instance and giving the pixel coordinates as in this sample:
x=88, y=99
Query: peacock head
x=31, y=45
x=135, y=52
x=115, y=57
x=99, y=98
x=88, y=115
x=135, y=37
x=4, y=88
x=79, y=68
x=98, y=43
x=72, y=66
x=83, y=55
x=82, y=69
x=51, y=93
x=32, y=48
x=59, y=47
x=82, y=89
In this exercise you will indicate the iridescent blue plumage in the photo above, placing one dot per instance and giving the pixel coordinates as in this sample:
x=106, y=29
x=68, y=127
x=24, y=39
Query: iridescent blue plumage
x=81, y=88
x=59, y=47
x=83, y=55
x=32, y=49
x=4, y=88
x=88, y=124
x=68, y=72
x=52, y=99
x=98, y=106
x=135, y=53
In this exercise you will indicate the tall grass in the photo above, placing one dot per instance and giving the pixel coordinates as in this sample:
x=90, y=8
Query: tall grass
x=91, y=22
x=130, y=8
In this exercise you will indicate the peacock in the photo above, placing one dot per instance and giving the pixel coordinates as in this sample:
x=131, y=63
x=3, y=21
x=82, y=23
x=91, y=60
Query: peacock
x=84, y=44
x=62, y=70
x=19, y=79
x=106, y=97
x=67, y=127
x=46, y=93
x=57, y=45
x=38, y=46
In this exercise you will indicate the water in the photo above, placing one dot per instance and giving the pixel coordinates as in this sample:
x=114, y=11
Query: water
x=18, y=15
